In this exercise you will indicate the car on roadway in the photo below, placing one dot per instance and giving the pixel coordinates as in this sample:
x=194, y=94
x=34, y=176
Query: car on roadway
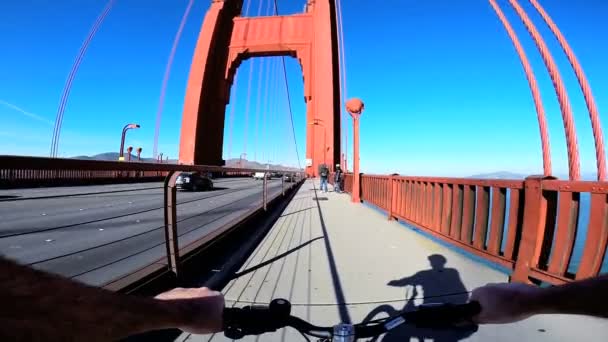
x=194, y=181
x=260, y=175
x=289, y=177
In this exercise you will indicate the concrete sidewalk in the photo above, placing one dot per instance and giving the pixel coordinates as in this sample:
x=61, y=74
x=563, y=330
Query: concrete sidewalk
x=338, y=261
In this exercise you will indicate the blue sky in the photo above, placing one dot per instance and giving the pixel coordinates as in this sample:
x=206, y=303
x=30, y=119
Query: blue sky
x=444, y=90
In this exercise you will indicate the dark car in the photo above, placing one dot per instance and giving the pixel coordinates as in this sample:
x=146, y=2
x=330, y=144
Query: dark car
x=193, y=181
x=289, y=178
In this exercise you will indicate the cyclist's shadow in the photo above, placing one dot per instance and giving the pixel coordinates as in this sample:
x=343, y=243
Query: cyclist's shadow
x=428, y=286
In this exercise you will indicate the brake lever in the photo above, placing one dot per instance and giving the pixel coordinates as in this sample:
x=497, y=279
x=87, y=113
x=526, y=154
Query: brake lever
x=256, y=319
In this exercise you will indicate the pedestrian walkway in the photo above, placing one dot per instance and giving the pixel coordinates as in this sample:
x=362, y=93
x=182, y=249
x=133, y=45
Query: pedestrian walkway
x=338, y=261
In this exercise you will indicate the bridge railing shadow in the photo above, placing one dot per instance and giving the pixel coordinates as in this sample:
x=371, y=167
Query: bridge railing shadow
x=439, y=284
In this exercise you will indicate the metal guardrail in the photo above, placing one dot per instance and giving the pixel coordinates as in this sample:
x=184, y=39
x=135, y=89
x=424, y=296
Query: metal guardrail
x=34, y=171
x=529, y=226
x=15, y=166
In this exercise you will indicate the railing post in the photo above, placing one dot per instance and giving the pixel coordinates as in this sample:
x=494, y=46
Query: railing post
x=265, y=190
x=171, y=238
x=392, y=196
x=283, y=185
x=535, y=217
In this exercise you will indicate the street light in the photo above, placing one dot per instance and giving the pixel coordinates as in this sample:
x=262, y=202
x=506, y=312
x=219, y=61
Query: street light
x=129, y=150
x=127, y=127
x=241, y=157
x=355, y=108
x=319, y=122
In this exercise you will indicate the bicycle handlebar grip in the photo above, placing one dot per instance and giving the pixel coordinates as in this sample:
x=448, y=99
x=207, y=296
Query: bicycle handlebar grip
x=256, y=319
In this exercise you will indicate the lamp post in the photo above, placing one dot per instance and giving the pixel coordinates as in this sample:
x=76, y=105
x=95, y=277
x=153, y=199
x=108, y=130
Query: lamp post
x=242, y=156
x=355, y=108
x=129, y=150
x=160, y=158
x=319, y=122
x=127, y=127
x=139, y=149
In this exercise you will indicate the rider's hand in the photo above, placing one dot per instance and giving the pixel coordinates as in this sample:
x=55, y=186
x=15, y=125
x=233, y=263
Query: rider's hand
x=201, y=308
x=505, y=303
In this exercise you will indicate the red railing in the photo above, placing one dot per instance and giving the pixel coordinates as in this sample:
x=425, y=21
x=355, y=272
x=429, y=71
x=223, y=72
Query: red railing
x=18, y=171
x=529, y=226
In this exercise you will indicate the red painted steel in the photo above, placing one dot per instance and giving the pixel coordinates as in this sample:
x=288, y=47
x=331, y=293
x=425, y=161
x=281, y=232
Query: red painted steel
x=566, y=232
x=585, y=87
x=456, y=211
x=530, y=227
x=562, y=95
x=481, y=216
x=538, y=103
x=497, y=220
x=225, y=40
x=597, y=238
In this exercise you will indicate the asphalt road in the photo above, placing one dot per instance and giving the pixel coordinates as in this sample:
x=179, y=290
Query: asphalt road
x=99, y=233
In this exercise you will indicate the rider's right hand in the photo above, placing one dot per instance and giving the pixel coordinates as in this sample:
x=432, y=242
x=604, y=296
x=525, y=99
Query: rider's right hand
x=200, y=310
x=505, y=303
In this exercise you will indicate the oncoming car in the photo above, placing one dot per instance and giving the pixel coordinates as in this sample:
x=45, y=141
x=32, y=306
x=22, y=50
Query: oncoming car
x=193, y=181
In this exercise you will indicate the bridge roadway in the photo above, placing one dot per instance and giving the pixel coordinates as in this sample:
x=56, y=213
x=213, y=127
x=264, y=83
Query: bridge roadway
x=338, y=261
x=99, y=233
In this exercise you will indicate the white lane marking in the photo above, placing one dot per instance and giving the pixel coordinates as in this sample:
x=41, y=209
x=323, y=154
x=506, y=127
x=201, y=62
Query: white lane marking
x=137, y=221
x=43, y=214
x=81, y=209
x=15, y=247
x=130, y=202
x=49, y=240
x=101, y=229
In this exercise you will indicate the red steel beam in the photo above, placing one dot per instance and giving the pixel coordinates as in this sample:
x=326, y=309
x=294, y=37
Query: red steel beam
x=594, y=115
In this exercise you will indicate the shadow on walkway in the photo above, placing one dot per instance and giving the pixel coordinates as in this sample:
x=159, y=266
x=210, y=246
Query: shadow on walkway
x=435, y=285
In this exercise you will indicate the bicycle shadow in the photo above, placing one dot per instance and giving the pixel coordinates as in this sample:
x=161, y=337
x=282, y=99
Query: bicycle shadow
x=438, y=284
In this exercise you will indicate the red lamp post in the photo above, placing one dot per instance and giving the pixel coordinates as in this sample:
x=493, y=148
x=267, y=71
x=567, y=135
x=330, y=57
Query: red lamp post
x=129, y=150
x=355, y=108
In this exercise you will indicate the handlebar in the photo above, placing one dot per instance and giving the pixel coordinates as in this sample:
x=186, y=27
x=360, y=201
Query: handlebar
x=259, y=319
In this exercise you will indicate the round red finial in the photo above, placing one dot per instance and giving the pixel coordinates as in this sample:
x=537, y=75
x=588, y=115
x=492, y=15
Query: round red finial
x=355, y=106
x=129, y=149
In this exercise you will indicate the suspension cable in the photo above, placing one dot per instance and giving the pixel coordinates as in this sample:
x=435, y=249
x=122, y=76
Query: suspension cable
x=594, y=115
x=540, y=111
x=562, y=95
x=232, y=100
x=163, y=88
x=68, y=85
x=343, y=88
x=276, y=12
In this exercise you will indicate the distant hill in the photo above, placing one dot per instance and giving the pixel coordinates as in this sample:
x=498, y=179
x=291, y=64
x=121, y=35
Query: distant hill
x=235, y=162
x=499, y=175
x=113, y=156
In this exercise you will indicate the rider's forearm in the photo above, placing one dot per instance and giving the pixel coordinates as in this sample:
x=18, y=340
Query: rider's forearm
x=44, y=307
x=586, y=297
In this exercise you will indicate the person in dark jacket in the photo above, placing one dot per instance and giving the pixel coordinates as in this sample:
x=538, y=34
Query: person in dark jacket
x=338, y=179
x=324, y=174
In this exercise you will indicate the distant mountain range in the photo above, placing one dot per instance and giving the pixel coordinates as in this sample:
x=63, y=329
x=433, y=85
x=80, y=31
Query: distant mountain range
x=499, y=175
x=113, y=156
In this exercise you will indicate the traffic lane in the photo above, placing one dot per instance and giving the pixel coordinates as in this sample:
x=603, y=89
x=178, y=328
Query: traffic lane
x=43, y=214
x=39, y=193
x=35, y=247
x=100, y=265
